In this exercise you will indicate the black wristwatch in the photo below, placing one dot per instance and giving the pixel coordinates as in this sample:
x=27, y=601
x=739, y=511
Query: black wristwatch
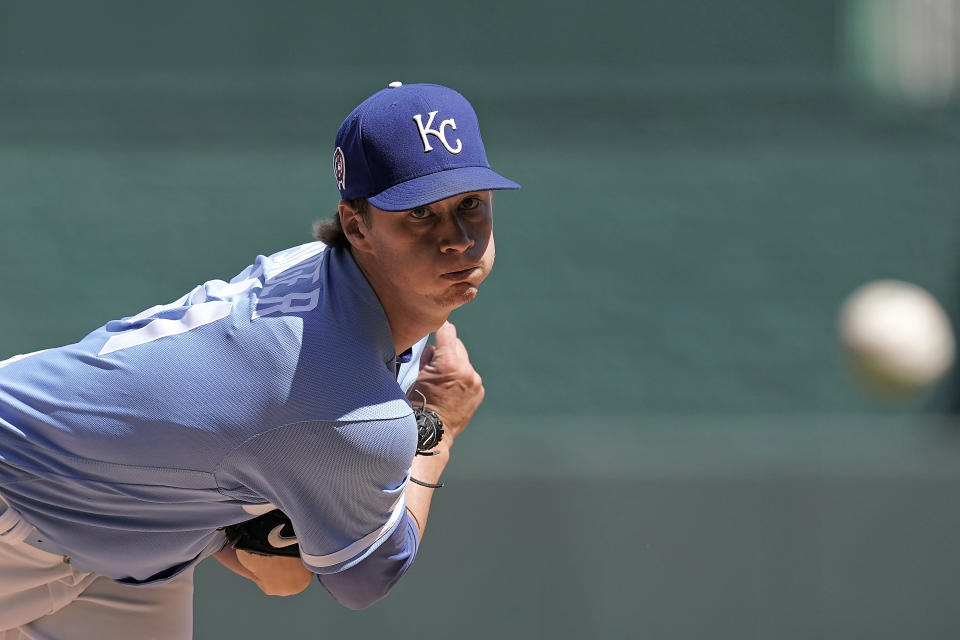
x=429, y=435
x=429, y=430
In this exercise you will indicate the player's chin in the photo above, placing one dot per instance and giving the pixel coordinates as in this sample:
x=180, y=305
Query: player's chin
x=458, y=295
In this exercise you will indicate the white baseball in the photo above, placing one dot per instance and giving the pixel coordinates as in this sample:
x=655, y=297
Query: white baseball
x=897, y=336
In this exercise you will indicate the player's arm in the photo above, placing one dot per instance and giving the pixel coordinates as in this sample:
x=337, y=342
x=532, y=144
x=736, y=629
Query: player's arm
x=454, y=390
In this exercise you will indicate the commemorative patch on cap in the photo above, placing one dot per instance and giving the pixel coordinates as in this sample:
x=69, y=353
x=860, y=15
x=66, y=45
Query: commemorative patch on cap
x=339, y=169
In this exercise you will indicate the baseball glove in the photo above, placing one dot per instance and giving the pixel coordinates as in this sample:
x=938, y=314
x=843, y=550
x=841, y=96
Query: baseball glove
x=270, y=534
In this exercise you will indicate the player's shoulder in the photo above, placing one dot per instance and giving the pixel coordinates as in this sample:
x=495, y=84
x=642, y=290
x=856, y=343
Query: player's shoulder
x=282, y=265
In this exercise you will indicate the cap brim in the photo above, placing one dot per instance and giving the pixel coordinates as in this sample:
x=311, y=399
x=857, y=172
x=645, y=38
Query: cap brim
x=438, y=186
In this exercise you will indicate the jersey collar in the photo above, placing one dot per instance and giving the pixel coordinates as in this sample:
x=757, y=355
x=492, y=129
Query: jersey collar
x=365, y=310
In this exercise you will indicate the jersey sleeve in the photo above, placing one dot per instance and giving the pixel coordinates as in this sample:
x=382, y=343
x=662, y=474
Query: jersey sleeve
x=341, y=483
x=362, y=585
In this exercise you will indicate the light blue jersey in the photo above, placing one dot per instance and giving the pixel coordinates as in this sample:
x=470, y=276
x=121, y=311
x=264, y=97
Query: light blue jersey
x=131, y=448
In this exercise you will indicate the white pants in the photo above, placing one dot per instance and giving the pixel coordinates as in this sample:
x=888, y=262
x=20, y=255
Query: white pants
x=44, y=597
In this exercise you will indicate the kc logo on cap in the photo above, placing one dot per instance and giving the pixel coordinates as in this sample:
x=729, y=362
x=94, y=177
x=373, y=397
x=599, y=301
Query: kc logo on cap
x=410, y=145
x=425, y=131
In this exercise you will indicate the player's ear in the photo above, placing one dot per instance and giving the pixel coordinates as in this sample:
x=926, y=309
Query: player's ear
x=354, y=225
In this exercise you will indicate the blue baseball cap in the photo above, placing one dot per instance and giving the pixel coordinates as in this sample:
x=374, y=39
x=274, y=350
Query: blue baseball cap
x=409, y=145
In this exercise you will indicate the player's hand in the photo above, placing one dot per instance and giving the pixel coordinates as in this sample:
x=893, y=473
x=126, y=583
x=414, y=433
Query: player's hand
x=276, y=575
x=451, y=385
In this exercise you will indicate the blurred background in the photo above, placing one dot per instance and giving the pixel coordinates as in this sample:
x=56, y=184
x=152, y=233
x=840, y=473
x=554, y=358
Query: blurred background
x=671, y=446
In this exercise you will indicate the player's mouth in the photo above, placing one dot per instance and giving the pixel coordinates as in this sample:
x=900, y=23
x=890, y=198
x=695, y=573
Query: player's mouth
x=462, y=274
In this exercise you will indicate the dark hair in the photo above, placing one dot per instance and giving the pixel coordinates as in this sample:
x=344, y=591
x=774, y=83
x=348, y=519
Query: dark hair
x=329, y=231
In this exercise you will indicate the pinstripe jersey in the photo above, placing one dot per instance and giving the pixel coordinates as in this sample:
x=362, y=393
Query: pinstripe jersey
x=131, y=448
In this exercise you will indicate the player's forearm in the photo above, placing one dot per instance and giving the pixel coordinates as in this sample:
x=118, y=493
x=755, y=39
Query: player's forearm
x=418, y=498
x=452, y=388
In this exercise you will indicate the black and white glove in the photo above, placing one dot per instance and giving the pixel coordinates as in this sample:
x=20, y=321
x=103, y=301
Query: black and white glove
x=270, y=534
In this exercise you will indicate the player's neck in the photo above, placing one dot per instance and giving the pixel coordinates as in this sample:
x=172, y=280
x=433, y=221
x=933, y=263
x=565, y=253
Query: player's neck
x=408, y=325
x=410, y=317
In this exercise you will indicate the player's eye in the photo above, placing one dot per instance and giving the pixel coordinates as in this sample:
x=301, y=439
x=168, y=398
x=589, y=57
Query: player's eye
x=420, y=213
x=470, y=203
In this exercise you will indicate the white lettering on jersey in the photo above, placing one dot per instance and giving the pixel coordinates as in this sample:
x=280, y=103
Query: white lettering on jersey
x=290, y=303
x=310, y=271
x=297, y=302
x=280, y=263
x=439, y=133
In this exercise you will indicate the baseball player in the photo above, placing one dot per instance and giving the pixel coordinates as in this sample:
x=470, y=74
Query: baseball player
x=291, y=422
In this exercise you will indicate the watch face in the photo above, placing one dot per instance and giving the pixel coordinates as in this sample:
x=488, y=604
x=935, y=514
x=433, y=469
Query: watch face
x=429, y=429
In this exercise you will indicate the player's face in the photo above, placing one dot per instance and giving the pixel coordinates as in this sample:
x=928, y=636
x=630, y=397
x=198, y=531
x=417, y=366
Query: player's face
x=441, y=252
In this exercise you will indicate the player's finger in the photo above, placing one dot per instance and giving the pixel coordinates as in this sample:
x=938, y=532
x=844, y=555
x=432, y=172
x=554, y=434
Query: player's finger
x=446, y=336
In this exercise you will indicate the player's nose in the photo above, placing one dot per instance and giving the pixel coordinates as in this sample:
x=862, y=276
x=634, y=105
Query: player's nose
x=455, y=235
